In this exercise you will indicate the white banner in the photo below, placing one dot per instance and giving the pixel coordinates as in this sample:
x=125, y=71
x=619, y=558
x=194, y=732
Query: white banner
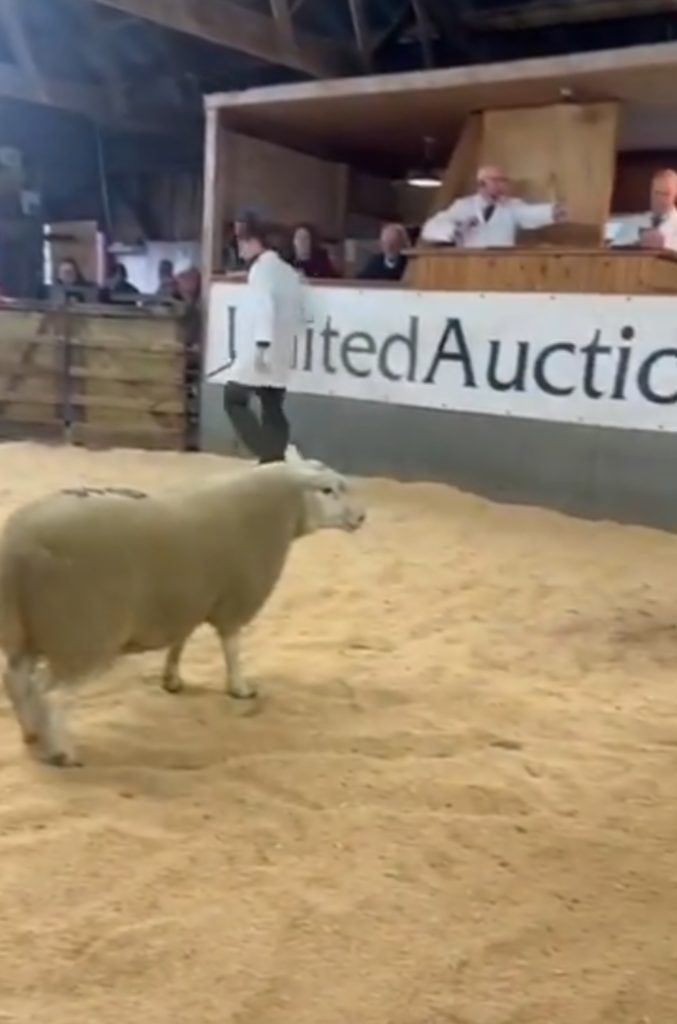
x=607, y=360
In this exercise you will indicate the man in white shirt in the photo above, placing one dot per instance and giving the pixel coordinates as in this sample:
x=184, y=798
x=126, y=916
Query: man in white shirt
x=490, y=217
x=268, y=321
x=656, y=229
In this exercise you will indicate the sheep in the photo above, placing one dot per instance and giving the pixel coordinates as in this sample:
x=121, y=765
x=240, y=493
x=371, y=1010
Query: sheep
x=88, y=575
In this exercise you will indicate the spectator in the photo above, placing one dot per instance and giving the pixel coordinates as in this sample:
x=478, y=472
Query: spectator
x=656, y=229
x=166, y=288
x=71, y=285
x=118, y=288
x=232, y=258
x=309, y=256
x=490, y=217
x=390, y=263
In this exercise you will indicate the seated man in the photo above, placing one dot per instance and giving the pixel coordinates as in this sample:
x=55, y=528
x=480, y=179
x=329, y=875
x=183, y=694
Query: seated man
x=656, y=229
x=390, y=263
x=490, y=217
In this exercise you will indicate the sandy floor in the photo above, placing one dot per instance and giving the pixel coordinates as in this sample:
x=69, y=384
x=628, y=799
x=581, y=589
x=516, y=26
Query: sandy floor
x=457, y=804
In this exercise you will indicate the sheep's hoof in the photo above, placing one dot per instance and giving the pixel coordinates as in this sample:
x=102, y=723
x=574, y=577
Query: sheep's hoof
x=30, y=738
x=172, y=684
x=244, y=692
x=62, y=760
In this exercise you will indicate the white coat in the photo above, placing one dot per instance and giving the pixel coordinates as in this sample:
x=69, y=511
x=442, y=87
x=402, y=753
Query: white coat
x=272, y=311
x=627, y=231
x=463, y=222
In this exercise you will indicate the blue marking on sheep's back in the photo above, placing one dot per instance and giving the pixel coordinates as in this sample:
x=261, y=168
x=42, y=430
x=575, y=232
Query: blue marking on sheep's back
x=118, y=492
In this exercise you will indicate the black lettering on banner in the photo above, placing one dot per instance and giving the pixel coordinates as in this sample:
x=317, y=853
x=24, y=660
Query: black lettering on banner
x=644, y=377
x=620, y=380
x=327, y=335
x=410, y=342
x=540, y=378
x=517, y=382
x=351, y=347
x=591, y=352
x=461, y=355
x=232, y=328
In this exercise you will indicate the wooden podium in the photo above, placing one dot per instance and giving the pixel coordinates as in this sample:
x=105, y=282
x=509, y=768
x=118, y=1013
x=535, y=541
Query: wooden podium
x=601, y=271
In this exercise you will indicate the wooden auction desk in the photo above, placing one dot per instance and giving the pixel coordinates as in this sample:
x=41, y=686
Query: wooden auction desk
x=605, y=271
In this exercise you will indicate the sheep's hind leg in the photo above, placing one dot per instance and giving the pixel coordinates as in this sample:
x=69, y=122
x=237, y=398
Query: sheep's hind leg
x=18, y=674
x=171, y=680
x=55, y=745
x=236, y=685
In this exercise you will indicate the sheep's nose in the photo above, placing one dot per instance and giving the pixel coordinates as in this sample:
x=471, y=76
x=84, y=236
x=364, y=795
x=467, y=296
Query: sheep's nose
x=359, y=518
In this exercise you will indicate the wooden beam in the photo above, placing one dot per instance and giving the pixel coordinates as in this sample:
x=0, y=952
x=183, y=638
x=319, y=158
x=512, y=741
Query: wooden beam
x=90, y=101
x=213, y=207
x=522, y=16
x=394, y=30
x=359, y=21
x=232, y=25
x=10, y=16
x=423, y=28
x=283, y=20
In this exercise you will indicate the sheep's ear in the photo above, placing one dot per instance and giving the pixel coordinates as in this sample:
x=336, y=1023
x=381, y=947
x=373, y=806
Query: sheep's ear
x=293, y=455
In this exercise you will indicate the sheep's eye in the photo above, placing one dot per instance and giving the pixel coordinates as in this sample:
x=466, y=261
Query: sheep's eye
x=328, y=490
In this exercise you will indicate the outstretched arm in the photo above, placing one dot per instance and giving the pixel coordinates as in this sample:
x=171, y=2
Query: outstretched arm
x=531, y=216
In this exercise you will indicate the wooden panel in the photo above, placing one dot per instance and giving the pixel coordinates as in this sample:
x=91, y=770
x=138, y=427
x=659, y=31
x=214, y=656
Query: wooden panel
x=531, y=270
x=32, y=382
x=565, y=153
x=93, y=377
x=285, y=185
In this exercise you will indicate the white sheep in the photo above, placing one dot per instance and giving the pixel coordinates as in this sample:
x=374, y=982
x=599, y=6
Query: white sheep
x=87, y=575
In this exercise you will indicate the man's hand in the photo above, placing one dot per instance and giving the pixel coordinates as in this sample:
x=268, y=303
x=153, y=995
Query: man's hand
x=463, y=228
x=262, y=358
x=651, y=238
x=559, y=213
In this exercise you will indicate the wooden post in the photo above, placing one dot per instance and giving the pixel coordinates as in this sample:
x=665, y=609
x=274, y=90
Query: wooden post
x=214, y=198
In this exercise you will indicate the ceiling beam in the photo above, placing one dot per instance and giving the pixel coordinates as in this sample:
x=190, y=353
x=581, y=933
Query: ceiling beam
x=521, y=16
x=283, y=20
x=234, y=26
x=10, y=17
x=359, y=20
x=90, y=101
x=424, y=32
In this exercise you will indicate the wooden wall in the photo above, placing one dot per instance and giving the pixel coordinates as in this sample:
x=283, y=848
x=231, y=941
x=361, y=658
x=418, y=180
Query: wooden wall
x=286, y=185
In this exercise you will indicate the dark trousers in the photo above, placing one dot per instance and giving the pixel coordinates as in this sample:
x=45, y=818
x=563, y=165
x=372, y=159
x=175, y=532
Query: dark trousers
x=266, y=437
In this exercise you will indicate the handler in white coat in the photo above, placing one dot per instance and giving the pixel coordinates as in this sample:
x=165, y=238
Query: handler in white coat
x=269, y=319
x=490, y=217
x=656, y=229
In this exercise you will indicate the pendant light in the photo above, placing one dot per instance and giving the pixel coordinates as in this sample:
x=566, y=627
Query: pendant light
x=425, y=175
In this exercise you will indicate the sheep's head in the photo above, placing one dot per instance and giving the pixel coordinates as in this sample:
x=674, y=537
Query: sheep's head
x=328, y=500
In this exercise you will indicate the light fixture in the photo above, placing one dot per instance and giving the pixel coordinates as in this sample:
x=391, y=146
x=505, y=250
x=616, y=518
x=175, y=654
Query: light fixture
x=425, y=175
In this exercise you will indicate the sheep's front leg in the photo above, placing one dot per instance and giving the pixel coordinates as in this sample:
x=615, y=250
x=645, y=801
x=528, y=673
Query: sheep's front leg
x=55, y=745
x=171, y=680
x=17, y=680
x=236, y=685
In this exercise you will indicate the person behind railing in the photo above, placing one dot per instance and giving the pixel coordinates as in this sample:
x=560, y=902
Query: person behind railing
x=490, y=217
x=309, y=256
x=118, y=287
x=656, y=229
x=390, y=263
x=166, y=288
x=71, y=285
